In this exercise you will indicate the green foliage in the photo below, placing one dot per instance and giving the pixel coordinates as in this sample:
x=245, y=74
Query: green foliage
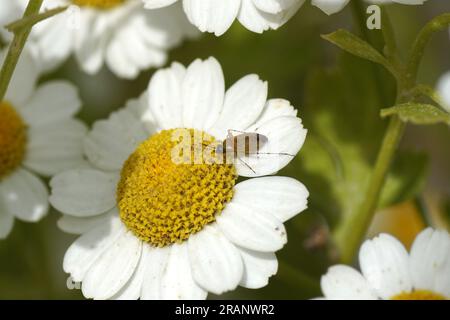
x=349, y=42
x=345, y=133
x=418, y=113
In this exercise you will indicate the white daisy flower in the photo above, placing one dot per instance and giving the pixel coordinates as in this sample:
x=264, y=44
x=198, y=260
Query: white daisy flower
x=333, y=6
x=444, y=90
x=38, y=135
x=143, y=218
x=118, y=33
x=389, y=272
x=216, y=16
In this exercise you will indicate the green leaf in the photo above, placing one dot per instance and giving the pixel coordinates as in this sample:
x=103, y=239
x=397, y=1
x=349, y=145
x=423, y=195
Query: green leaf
x=352, y=44
x=417, y=113
x=406, y=179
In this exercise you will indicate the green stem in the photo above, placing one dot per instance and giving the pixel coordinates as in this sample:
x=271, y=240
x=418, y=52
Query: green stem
x=439, y=23
x=16, y=47
x=33, y=19
x=353, y=232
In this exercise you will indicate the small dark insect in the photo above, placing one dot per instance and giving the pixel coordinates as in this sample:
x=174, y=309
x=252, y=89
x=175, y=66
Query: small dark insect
x=243, y=145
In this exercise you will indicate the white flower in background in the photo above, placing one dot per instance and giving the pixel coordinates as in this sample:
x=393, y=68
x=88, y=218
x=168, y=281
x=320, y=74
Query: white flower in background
x=9, y=10
x=333, y=6
x=38, y=135
x=152, y=229
x=118, y=33
x=444, y=90
x=389, y=272
x=216, y=16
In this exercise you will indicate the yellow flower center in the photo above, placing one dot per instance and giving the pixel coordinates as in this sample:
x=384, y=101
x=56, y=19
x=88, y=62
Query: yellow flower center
x=99, y=4
x=164, y=201
x=13, y=138
x=419, y=295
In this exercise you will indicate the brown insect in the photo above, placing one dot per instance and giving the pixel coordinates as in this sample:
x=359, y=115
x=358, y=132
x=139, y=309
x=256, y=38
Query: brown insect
x=243, y=145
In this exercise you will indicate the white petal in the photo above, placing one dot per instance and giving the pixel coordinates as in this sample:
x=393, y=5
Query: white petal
x=430, y=261
x=243, y=104
x=112, y=141
x=282, y=196
x=258, y=268
x=275, y=108
x=55, y=147
x=203, y=92
x=87, y=248
x=252, y=229
x=215, y=263
x=84, y=192
x=258, y=21
x=385, y=264
x=112, y=270
x=286, y=136
x=176, y=285
x=76, y=225
x=345, y=283
x=155, y=4
x=164, y=93
x=274, y=6
x=212, y=15
x=52, y=102
x=330, y=6
x=252, y=18
x=157, y=263
x=24, y=196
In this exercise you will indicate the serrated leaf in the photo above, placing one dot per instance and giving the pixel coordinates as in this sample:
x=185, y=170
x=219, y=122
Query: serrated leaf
x=418, y=113
x=352, y=44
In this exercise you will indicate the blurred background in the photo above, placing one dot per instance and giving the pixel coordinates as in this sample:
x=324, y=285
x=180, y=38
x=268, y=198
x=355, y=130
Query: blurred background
x=337, y=96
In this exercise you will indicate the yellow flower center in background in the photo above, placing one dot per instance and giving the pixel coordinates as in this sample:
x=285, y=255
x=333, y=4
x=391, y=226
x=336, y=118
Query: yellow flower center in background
x=419, y=295
x=162, y=202
x=13, y=138
x=99, y=4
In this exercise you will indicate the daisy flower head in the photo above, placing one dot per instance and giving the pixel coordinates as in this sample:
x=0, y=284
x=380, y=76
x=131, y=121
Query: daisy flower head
x=388, y=272
x=38, y=136
x=153, y=228
x=118, y=33
x=444, y=90
x=216, y=16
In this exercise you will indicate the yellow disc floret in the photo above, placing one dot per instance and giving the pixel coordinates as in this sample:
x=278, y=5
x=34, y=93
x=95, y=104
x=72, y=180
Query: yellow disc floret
x=13, y=137
x=419, y=295
x=98, y=4
x=164, y=202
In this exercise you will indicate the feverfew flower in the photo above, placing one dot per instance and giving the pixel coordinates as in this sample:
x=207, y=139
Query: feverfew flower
x=118, y=33
x=38, y=135
x=216, y=16
x=152, y=228
x=389, y=272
